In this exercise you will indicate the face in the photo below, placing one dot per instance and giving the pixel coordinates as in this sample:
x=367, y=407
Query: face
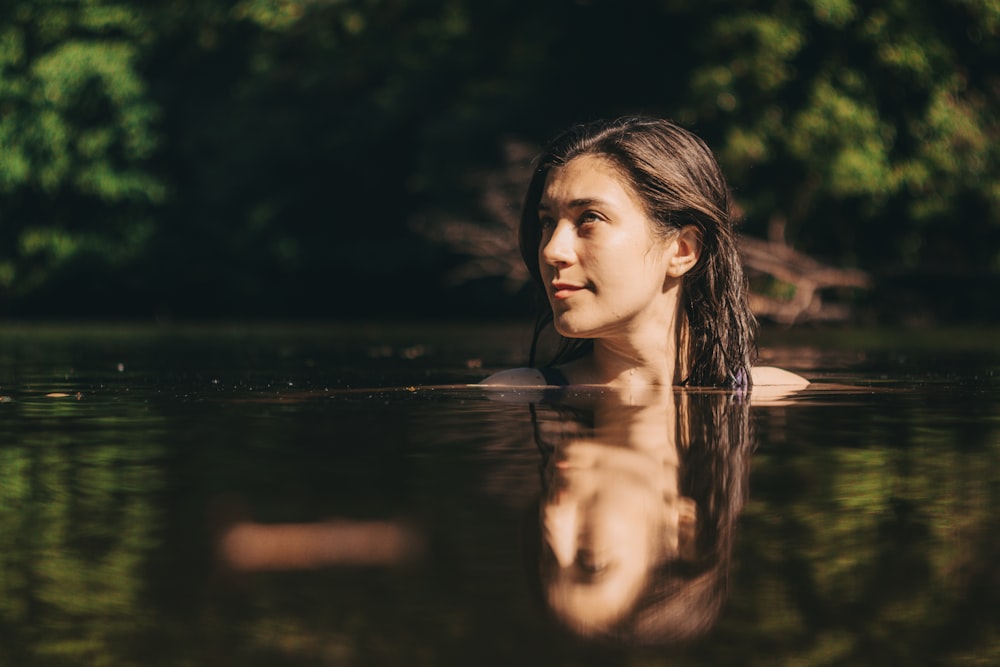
x=605, y=270
x=608, y=518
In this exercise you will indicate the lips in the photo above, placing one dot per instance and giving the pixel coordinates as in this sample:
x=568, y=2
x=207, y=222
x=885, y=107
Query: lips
x=563, y=290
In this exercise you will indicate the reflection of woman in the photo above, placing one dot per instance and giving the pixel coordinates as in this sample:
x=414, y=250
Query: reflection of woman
x=628, y=228
x=636, y=519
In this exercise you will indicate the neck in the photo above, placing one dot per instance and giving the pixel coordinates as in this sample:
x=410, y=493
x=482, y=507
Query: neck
x=646, y=355
x=618, y=364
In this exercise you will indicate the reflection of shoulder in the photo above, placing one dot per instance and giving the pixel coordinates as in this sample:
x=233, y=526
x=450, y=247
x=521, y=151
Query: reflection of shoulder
x=517, y=377
x=769, y=376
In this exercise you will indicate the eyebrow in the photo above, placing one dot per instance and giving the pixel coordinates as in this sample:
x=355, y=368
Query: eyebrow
x=576, y=203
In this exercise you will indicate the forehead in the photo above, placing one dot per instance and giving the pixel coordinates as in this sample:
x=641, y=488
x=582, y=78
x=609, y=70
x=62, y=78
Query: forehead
x=586, y=178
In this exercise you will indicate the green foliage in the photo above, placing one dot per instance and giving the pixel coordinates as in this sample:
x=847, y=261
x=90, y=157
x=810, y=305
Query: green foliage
x=217, y=152
x=76, y=137
x=877, y=123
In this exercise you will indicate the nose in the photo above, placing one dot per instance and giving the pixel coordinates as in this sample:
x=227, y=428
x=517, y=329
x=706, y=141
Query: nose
x=559, y=526
x=558, y=249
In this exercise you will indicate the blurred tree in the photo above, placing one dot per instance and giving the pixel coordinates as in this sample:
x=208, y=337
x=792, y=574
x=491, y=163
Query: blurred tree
x=239, y=157
x=292, y=129
x=867, y=134
x=76, y=133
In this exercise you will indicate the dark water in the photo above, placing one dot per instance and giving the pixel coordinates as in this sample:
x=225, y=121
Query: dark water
x=249, y=496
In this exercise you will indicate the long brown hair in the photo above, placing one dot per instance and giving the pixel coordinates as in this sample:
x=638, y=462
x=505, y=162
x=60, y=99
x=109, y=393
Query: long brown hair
x=678, y=181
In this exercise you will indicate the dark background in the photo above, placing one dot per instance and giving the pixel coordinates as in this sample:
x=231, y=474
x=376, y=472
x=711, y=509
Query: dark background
x=364, y=158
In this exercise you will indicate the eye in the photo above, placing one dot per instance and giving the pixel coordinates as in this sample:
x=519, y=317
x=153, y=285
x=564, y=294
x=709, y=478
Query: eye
x=589, y=217
x=546, y=222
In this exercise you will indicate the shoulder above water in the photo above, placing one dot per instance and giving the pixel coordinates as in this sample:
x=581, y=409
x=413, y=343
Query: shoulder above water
x=769, y=376
x=516, y=377
x=762, y=376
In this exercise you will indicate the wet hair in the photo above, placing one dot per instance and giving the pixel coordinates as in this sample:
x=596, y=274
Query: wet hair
x=681, y=599
x=675, y=176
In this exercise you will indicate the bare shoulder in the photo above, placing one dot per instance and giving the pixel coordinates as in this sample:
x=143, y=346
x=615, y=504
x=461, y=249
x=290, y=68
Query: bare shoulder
x=516, y=377
x=769, y=376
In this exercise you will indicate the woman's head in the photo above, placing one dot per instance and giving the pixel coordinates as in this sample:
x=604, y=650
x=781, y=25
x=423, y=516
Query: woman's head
x=673, y=177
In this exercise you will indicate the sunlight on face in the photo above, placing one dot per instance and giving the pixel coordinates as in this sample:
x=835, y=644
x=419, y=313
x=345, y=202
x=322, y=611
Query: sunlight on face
x=603, y=266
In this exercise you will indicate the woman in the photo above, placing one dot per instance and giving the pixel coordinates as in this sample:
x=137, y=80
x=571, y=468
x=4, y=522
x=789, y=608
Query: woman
x=628, y=228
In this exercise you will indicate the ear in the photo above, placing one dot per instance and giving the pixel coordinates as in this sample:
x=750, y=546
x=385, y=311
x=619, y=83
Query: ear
x=687, y=532
x=685, y=251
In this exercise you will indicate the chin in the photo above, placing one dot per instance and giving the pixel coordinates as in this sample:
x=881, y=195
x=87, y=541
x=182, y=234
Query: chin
x=568, y=329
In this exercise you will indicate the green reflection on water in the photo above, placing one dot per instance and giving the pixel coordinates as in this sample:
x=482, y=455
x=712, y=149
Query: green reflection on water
x=77, y=519
x=873, y=537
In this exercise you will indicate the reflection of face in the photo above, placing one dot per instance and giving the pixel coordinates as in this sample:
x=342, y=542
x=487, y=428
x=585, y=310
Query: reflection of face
x=602, y=265
x=611, y=514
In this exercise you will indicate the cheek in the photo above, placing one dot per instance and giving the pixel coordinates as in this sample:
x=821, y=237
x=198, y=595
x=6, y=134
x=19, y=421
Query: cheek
x=635, y=250
x=621, y=530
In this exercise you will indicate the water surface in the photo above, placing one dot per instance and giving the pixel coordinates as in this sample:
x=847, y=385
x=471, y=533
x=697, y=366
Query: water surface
x=393, y=514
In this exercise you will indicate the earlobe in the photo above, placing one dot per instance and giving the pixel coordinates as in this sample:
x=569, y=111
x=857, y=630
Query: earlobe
x=686, y=247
